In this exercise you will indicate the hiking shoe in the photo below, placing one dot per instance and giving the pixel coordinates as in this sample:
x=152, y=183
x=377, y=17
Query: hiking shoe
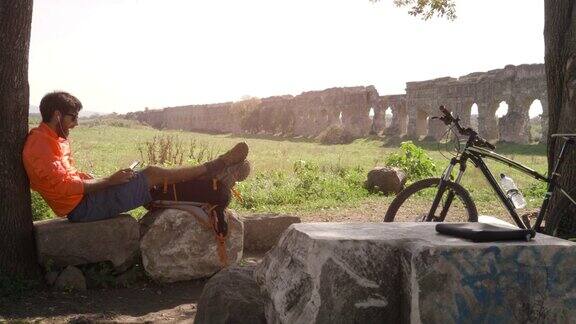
x=234, y=173
x=235, y=155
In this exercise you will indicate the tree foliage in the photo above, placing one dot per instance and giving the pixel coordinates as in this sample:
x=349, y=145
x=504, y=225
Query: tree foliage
x=427, y=9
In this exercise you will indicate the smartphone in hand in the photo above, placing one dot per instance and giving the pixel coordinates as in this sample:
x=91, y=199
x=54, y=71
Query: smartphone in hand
x=134, y=165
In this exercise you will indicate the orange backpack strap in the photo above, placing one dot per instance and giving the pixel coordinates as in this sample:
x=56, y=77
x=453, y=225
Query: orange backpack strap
x=220, y=238
x=237, y=194
x=175, y=193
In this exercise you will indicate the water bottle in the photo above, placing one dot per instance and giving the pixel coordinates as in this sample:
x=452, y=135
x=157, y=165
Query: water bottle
x=512, y=191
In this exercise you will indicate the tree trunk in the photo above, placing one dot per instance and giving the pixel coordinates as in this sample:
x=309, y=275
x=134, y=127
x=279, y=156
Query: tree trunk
x=560, y=44
x=17, y=251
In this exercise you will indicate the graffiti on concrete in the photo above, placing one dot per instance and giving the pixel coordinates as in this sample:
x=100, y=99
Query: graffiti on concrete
x=514, y=284
x=362, y=111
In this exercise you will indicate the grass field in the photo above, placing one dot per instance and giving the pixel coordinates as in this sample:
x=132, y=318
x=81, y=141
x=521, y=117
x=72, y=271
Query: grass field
x=318, y=182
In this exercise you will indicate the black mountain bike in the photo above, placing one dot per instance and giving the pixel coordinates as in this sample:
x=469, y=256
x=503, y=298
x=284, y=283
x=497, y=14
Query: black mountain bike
x=447, y=194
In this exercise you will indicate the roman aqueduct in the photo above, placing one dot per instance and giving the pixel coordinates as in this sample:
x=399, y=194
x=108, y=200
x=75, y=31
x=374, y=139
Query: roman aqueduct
x=362, y=111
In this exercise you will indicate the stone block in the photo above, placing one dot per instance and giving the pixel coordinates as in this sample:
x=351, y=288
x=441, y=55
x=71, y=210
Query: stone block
x=262, y=231
x=61, y=243
x=176, y=247
x=231, y=296
x=406, y=272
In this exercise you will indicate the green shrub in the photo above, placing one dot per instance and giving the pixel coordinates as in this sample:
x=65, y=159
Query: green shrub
x=40, y=209
x=169, y=150
x=413, y=160
x=536, y=190
x=307, y=184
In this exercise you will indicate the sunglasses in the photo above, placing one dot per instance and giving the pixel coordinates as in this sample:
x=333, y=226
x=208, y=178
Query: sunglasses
x=74, y=116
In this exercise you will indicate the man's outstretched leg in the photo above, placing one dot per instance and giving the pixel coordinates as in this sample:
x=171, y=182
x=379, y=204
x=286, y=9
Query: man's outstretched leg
x=111, y=201
x=159, y=175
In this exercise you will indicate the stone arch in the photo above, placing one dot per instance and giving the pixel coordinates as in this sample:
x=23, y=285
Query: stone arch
x=535, y=108
x=378, y=122
x=373, y=116
x=502, y=110
x=536, y=114
x=391, y=119
x=474, y=116
x=388, y=117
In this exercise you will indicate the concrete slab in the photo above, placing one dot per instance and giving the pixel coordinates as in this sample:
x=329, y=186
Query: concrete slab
x=406, y=272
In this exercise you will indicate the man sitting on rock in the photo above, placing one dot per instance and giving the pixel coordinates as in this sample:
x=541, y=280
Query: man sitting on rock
x=48, y=161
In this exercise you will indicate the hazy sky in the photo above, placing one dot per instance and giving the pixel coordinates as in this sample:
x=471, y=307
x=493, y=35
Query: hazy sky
x=124, y=55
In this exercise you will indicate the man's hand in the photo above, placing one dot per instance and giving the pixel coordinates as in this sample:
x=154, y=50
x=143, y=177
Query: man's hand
x=121, y=177
x=86, y=176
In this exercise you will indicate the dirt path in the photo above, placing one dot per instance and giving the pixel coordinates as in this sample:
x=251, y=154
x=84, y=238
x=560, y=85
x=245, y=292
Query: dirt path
x=145, y=302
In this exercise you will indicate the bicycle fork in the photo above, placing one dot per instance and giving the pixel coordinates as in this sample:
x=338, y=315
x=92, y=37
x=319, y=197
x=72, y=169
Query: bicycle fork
x=442, y=187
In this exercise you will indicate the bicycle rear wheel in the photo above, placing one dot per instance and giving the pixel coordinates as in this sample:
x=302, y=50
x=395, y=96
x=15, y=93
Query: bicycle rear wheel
x=415, y=201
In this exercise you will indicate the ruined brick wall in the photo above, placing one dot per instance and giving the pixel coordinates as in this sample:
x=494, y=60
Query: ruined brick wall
x=305, y=115
x=518, y=86
x=310, y=113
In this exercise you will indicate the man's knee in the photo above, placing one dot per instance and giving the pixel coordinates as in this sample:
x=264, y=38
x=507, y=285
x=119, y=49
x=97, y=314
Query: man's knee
x=153, y=173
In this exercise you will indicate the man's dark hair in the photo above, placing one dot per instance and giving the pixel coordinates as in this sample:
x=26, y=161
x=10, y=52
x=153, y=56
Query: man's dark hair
x=61, y=101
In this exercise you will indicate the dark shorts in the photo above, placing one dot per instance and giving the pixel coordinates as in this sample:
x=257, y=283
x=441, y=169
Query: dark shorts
x=110, y=202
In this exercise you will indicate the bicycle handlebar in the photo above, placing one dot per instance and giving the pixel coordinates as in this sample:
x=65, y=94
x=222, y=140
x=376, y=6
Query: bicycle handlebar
x=448, y=120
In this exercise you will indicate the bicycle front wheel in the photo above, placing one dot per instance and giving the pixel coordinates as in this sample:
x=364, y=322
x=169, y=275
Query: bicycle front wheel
x=415, y=202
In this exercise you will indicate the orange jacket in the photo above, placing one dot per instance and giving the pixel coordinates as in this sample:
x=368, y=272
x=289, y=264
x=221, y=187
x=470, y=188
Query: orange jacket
x=48, y=162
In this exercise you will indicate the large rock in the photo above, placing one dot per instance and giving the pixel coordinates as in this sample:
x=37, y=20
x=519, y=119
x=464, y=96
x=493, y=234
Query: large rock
x=335, y=134
x=406, y=272
x=262, y=231
x=60, y=243
x=231, y=296
x=176, y=247
x=386, y=179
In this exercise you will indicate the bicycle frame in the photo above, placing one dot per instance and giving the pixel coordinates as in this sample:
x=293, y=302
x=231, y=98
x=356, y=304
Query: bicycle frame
x=476, y=155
